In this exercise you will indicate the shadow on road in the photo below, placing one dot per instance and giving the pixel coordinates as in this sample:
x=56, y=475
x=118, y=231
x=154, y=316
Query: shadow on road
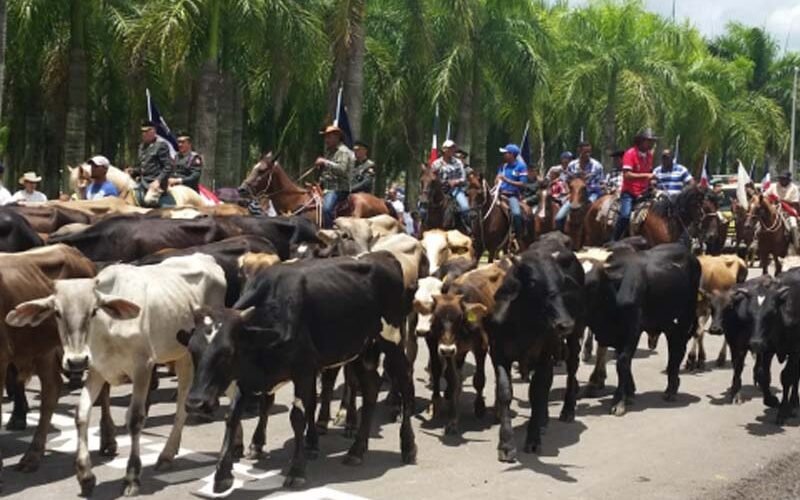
x=641, y=402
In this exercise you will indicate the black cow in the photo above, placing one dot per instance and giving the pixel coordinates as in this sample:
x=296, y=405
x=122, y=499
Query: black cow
x=653, y=290
x=538, y=308
x=733, y=312
x=16, y=233
x=776, y=329
x=290, y=235
x=292, y=321
x=227, y=253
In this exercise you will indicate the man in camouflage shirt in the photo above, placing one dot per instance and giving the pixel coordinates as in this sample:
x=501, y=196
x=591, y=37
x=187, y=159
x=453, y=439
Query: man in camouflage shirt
x=154, y=161
x=363, y=180
x=188, y=165
x=336, y=169
x=454, y=179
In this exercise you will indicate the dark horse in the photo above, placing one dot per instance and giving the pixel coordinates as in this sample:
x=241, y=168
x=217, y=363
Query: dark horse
x=773, y=239
x=268, y=181
x=713, y=229
x=578, y=208
x=437, y=209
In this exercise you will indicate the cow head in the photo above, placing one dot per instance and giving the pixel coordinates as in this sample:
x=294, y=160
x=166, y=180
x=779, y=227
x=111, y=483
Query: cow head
x=215, y=346
x=454, y=322
x=764, y=306
x=427, y=288
x=74, y=304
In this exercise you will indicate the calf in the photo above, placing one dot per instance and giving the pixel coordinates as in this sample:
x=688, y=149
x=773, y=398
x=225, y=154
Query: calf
x=118, y=326
x=539, y=306
x=441, y=246
x=653, y=290
x=719, y=274
x=776, y=329
x=292, y=321
x=457, y=329
x=732, y=312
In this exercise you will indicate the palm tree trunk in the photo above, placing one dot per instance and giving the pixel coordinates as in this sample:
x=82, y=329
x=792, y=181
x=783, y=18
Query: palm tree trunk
x=354, y=78
x=207, y=99
x=2, y=53
x=237, y=134
x=610, y=125
x=225, y=173
x=77, y=90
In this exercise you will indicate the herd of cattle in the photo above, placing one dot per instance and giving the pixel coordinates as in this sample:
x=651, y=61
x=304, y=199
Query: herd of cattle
x=240, y=305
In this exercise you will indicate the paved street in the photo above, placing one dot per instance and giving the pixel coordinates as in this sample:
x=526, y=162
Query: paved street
x=693, y=447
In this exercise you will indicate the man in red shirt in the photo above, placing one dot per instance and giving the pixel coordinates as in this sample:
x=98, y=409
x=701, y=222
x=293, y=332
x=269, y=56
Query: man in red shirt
x=637, y=170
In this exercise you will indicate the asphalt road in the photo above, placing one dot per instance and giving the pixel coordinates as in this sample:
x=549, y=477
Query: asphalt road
x=698, y=446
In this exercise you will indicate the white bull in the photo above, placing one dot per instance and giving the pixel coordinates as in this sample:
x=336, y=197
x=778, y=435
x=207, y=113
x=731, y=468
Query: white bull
x=119, y=325
x=441, y=246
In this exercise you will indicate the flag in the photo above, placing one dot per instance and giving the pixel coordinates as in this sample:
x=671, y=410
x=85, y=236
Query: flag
x=766, y=181
x=753, y=170
x=162, y=129
x=742, y=179
x=435, y=139
x=677, y=152
x=704, y=173
x=342, y=121
x=525, y=149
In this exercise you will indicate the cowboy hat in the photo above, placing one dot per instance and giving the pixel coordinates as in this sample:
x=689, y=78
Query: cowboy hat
x=29, y=177
x=448, y=144
x=331, y=129
x=647, y=134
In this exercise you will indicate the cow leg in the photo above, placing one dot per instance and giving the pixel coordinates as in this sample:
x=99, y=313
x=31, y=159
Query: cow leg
x=723, y=354
x=303, y=401
x=453, y=393
x=571, y=394
x=256, y=450
x=108, y=432
x=588, y=345
x=184, y=369
x=691, y=359
x=16, y=391
x=436, y=376
x=137, y=413
x=223, y=477
x=348, y=413
x=597, y=380
x=762, y=376
x=83, y=465
x=49, y=375
x=365, y=369
x=506, y=450
x=398, y=365
x=312, y=437
x=701, y=354
x=738, y=356
x=479, y=381
x=676, y=344
x=789, y=375
x=411, y=346
x=625, y=389
x=327, y=382
x=538, y=391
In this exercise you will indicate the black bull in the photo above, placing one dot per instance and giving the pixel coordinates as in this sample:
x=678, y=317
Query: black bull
x=292, y=321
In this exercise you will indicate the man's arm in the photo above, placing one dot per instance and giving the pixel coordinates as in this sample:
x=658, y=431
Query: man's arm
x=195, y=169
x=165, y=160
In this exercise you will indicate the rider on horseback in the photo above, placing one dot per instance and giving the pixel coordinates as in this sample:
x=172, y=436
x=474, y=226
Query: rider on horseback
x=592, y=173
x=788, y=196
x=155, y=162
x=336, y=166
x=512, y=176
x=363, y=171
x=637, y=170
x=453, y=176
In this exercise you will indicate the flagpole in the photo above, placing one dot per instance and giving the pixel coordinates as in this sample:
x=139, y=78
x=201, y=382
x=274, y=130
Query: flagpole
x=581, y=135
x=792, y=168
x=677, y=147
x=338, y=105
x=447, y=136
x=525, y=134
x=149, y=107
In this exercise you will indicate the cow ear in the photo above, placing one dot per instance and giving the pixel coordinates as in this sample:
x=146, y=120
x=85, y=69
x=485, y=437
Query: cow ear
x=31, y=313
x=184, y=337
x=475, y=313
x=436, y=298
x=247, y=314
x=117, y=308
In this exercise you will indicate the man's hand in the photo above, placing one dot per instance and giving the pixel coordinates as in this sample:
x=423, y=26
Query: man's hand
x=320, y=162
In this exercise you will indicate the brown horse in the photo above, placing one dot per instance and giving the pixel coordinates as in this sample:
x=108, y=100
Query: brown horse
x=579, y=207
x=773, y=239
x=713, y=229
x=745, y=233
x=597, y=232
x=544, y=220
x=668, y=219
x=437, y=209
x=268, y=181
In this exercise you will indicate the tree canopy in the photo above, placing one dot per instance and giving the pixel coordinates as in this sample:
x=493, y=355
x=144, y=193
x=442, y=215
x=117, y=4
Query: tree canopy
x=248, y=76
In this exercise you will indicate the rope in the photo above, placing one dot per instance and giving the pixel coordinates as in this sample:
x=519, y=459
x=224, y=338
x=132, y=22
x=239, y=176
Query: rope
x=495, y=191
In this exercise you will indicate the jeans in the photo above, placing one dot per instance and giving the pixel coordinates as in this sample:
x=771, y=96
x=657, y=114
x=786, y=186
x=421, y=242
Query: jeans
x=329, y=205
x=516, y=214
x=460, y=196
x=625, y=208
x=561, y=216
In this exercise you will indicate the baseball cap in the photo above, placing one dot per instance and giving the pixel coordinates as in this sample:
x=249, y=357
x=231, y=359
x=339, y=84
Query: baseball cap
x=510, y=148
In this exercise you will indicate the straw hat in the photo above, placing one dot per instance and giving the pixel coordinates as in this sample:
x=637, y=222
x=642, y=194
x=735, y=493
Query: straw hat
x=30, y=177
x=331, y=129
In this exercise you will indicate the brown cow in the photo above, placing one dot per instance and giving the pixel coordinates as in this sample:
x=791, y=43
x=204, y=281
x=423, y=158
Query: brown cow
x=457, y=329
x=46, y=219
x=720, y=273
x=34, y=350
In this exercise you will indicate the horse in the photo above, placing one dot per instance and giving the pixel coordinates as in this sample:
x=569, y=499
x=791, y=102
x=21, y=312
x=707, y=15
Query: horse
x=713, y=230
x=596, y=230
x=80, y=178
x=579, y=207
x=773, y=239
x=745, y=233
x=268, y=181
x=668, y=219
x=544, y=220
x=436, y=211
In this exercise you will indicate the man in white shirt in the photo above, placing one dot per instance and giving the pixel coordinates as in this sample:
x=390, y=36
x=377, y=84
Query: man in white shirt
x=785, y=192
x=29, y=194
x=5, y=196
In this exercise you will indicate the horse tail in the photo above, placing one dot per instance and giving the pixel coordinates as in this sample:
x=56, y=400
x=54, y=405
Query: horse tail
x=390, y=208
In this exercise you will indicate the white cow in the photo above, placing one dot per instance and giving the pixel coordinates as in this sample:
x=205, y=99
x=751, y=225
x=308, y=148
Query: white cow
x=441, y=246
x=119, y=325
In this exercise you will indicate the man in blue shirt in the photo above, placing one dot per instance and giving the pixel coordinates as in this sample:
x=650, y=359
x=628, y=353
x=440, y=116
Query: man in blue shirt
x=671, y=177
x=591, y=171
x=100, y=187
x=512, y=177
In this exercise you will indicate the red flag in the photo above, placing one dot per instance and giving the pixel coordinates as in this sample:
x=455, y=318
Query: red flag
x=435, y=140
x=765, y=182
x=209, y=198
x=704, y=173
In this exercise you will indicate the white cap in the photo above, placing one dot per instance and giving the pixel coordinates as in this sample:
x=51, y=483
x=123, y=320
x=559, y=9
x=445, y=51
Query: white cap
x=100, y=161
x=448, y=144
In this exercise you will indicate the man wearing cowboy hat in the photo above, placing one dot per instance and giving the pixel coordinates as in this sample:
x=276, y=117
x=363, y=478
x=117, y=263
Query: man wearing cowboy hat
x=188, y=164
x=154, y=166
x=29, y=181
x=453, y=176
x=5, y=196
x=336, y=167
x=363, y=180
x=637, y=170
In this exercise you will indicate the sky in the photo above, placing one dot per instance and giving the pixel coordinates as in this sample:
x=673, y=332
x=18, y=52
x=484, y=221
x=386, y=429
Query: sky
x=779, y=17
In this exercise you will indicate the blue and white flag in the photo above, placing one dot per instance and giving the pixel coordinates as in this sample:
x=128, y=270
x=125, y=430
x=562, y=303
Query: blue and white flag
x=342, y=121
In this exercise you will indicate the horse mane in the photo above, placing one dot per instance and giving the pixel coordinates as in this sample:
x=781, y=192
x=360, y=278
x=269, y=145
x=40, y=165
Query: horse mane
x=682, y=204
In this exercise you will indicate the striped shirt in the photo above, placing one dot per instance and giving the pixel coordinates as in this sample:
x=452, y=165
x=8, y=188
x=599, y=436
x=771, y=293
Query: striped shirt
x=592, y=173
x=450, y=171
x=672, y=181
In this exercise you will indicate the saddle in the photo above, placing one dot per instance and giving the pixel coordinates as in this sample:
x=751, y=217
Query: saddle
x=609, y=212
x=344, y=206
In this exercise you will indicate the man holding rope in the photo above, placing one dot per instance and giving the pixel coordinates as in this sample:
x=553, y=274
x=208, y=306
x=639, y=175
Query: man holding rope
x=512, y=176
